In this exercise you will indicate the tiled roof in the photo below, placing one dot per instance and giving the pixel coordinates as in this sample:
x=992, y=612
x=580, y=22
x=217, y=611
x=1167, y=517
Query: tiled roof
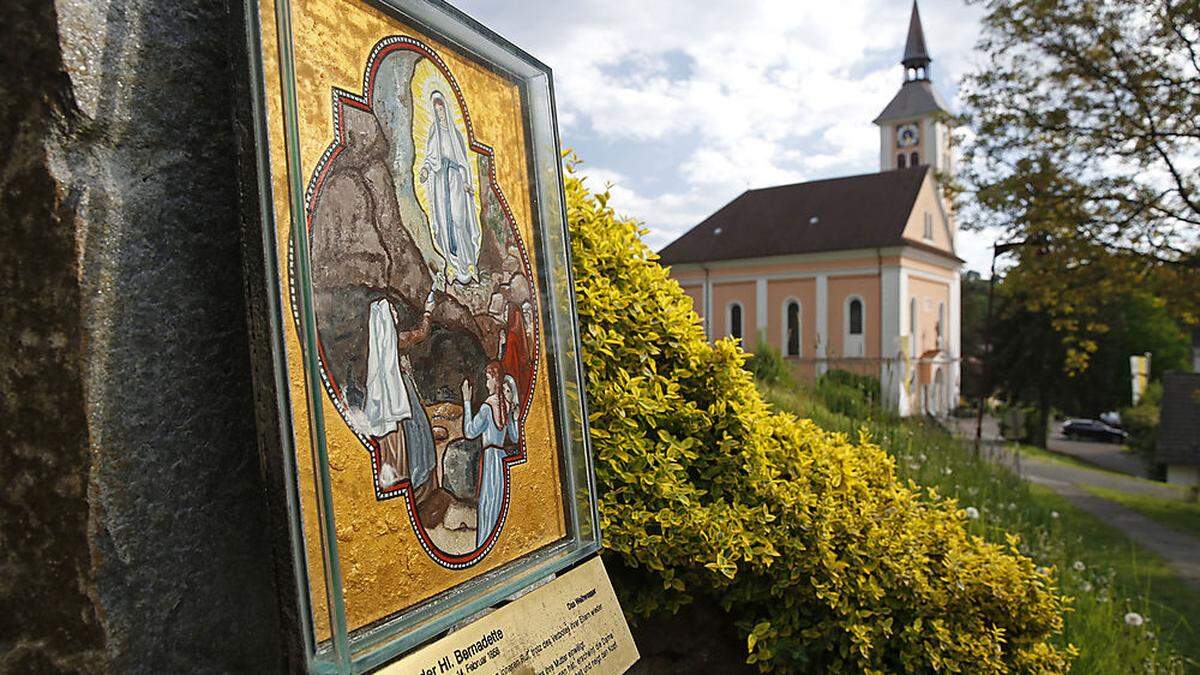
x=836, y=214
x=915, y=98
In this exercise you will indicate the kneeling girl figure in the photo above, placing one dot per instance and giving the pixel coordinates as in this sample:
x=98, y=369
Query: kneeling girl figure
x=495, y=424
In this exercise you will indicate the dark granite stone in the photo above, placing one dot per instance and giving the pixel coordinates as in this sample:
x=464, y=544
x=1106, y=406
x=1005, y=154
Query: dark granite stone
x=135, y=535
x=699, y=638
x=48, y=623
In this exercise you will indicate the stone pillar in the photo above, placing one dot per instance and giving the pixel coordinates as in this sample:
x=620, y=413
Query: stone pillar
x=954, y=345
x=892, y=313
x=760, y=313
x=133, y=527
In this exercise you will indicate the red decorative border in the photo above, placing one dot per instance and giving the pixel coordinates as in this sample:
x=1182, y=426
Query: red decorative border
x=341, y=98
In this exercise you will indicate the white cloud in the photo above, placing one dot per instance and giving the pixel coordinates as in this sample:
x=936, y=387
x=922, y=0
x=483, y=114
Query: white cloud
x=763, y=91
x=976, y=248
x=672, y=213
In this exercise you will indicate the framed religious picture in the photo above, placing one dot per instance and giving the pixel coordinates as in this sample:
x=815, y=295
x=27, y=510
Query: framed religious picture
x=420, y=400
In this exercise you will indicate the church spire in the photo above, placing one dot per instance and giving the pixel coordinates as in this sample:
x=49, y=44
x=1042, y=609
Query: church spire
x=916, y=56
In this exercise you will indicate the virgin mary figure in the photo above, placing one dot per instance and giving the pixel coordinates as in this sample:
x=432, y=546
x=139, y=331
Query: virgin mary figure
x=446, y=174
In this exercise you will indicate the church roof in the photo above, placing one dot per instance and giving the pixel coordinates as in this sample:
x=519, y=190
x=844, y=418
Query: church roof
x=916, y=97
x=835, y=214
x=914, y=48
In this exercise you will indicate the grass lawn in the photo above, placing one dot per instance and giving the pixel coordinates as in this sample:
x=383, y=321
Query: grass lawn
x=1107, y=574
x=1177, y=515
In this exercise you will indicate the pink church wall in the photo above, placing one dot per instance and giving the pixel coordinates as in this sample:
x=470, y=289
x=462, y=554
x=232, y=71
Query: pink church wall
x=696, y=293
x=779, y=292
x=928, y=294
x=722, y=295
x=840, y=288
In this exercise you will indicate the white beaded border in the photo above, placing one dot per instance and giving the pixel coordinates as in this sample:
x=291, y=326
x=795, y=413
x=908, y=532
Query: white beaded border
x=339, y=98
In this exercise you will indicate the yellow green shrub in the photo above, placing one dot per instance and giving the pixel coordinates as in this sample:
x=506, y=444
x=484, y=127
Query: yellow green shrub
x=825, y=559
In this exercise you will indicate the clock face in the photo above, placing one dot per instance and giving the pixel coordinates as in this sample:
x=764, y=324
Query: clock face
x=907, y=135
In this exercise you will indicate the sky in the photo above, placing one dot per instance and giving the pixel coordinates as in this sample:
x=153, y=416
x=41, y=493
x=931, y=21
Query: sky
x=681, y=106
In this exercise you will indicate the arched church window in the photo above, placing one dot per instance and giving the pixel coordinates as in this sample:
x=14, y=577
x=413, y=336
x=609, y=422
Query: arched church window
x=854, y=342
x=900, y=161
x=793, y=328
x=856, y=317
x=735, y=320
x=914, y=160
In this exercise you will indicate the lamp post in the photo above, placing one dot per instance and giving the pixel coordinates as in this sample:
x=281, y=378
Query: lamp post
x=986, y=389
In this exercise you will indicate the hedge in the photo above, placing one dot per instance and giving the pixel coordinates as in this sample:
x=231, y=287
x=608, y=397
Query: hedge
x=825, y=560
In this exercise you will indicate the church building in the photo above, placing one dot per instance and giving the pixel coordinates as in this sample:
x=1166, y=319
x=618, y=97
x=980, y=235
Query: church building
x=856, y=273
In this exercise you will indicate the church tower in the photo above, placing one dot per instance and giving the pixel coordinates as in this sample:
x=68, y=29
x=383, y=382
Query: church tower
x=914, y=128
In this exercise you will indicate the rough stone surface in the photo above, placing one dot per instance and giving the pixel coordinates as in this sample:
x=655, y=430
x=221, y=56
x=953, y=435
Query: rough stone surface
x=48, y=623
x=134, y=536
x=462, y=467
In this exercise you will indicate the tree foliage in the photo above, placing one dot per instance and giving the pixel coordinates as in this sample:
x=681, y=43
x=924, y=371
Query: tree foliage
x=1085, y=147
x=1030, y=362
x=1107, y=92
x=824, y=558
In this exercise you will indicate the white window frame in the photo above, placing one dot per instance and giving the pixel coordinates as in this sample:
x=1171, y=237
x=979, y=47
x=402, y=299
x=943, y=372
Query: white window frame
x=741, y=319
x=927, y=233
x=783, y=342
x=860, y=340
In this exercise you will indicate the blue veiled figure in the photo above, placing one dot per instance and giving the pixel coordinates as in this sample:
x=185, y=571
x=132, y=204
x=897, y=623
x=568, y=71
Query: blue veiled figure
x=446, y=173
x=495, y=424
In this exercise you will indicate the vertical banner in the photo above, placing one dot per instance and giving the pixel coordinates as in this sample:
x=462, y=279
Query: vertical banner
x=1139, y=375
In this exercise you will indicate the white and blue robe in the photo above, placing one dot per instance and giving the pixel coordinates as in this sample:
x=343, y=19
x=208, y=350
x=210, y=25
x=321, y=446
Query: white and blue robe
x=483, y=423
x=387, y=401
x=453, y=219
x=392, y=402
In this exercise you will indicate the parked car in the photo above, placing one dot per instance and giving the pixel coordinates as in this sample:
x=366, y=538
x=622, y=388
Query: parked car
x=1094, y=430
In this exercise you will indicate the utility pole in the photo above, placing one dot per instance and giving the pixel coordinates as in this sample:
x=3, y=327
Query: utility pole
x=986, y=389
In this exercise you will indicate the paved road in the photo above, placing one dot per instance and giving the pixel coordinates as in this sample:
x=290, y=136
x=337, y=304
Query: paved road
x=1050, y=472
x=1110, y=456
x=1180, y=550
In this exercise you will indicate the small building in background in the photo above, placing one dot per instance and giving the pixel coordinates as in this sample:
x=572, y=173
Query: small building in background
x=857, y=273
x=1178, y=446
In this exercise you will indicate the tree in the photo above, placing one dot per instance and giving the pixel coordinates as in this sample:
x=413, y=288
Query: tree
x=1084, y=135
x=1108, y=91
x=974, y=333
x=1030, y=357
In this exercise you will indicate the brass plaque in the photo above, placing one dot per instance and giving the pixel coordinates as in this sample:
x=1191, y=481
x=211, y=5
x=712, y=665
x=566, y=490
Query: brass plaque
x=571, y=626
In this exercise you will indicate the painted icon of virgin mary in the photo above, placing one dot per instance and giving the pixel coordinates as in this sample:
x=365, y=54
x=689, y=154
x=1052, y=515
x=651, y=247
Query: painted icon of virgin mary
x=446, y=174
